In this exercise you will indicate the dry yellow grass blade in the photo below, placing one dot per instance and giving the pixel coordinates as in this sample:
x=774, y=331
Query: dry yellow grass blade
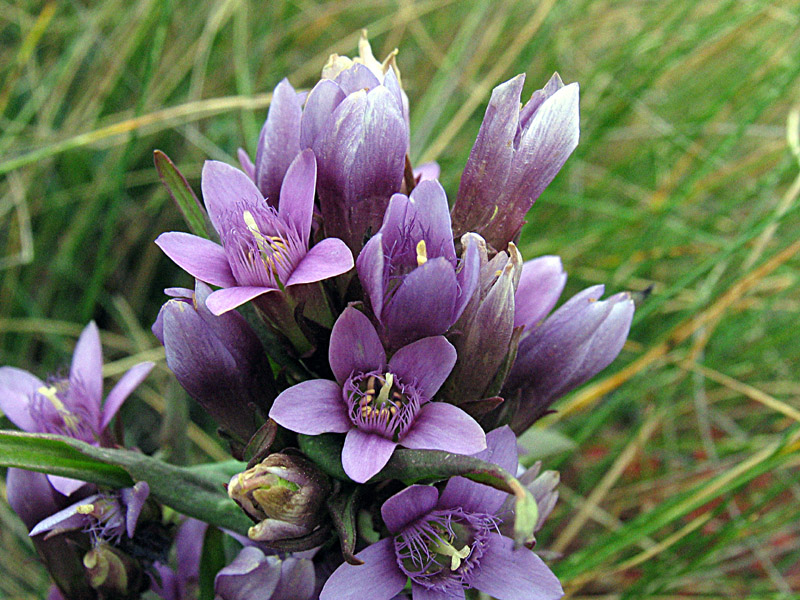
x=154, y=121
x=745, y=389
x=679, y=334
x=606, y=483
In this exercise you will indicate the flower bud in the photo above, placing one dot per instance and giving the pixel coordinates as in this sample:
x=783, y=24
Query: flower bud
x=114, y=574
x=572, y=345
x=516, y=155
x=484, y=332
x=283, y=494
x=254, y=576
x=219, y=361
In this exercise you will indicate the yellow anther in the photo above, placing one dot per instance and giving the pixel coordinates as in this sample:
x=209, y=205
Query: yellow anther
x=70, y=420
x=84, y=509
x=422, y=253
x=386, y=388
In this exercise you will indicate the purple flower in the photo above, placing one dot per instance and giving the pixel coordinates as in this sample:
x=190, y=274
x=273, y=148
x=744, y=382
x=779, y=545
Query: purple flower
x=576, y=342
x=71, y=406
x=182, y=583
x=484, y=331
x=517, y=154
x=447, y=543
x=106, y=517
x=263, y=250
x=219, y=360
x=416, y=285
x=379, y=405
x=254, y=576
x=356, y=121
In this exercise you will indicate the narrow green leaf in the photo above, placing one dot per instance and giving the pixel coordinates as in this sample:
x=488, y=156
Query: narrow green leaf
x=48, y=454
x=182, y=193
x=196, y=493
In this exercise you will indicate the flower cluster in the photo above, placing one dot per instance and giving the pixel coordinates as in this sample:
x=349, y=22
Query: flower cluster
x=350, y=332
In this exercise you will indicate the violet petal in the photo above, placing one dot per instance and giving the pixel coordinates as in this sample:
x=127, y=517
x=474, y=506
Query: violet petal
x=223, y=187
x=379, y=578
x=509, y=574
x=355, y=345
x=279, y=141
x=321, y=102
x=199, y=257
x=425, y=364
x=221, y=301
x=364, y=454
x=442, y=426
x=312, y=407
x=540, y=286
x=17, y=388
x=414, y=310
x=328, y=258
x=122, y=390
x=296, y=205
x=408, y=505
x=87, y=366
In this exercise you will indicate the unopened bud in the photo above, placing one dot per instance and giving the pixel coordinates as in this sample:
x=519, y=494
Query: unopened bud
x=283, y=493
x=114, y=574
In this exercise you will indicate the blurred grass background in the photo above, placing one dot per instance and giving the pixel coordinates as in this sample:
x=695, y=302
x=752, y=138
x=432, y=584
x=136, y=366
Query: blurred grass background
x=680, y=462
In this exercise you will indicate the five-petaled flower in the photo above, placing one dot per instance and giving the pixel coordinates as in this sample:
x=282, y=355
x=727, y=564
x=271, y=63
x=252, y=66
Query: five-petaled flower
x=446, y=543
x=379, y=405
x=71, y=406
x=263, y=250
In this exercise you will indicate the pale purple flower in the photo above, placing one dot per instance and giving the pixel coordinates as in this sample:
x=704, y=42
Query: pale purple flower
x=448, y=543
x=356, y=121
x=561, y=352
x=72, y=406
x=485, y=329
x=219, y=360
x=379, y=405
x=255, y=576
x=416, y=284
x=183, y=582
x=516, y=155
x=263, y=250
x=106, y=516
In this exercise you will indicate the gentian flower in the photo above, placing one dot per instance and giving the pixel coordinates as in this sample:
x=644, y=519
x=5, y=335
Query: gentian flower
x=70, y=406
x=219, y=360
x=106, y=517
x=379, y=405
x=448, y=543
x=416, y=285
x=572, y=345
x=356, y=121
x=183, y=582
x=263, y=250
x=255, y=576
x=516, y=155
x=485, y=329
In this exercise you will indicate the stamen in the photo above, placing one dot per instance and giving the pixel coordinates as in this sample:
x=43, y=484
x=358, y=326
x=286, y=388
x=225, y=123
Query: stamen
x=85, y=509
x=71, y=422
x=422, y=253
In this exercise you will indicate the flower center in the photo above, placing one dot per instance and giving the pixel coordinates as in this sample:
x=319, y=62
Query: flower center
x=378, y=402
x=49, y=410
x=441, y=550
